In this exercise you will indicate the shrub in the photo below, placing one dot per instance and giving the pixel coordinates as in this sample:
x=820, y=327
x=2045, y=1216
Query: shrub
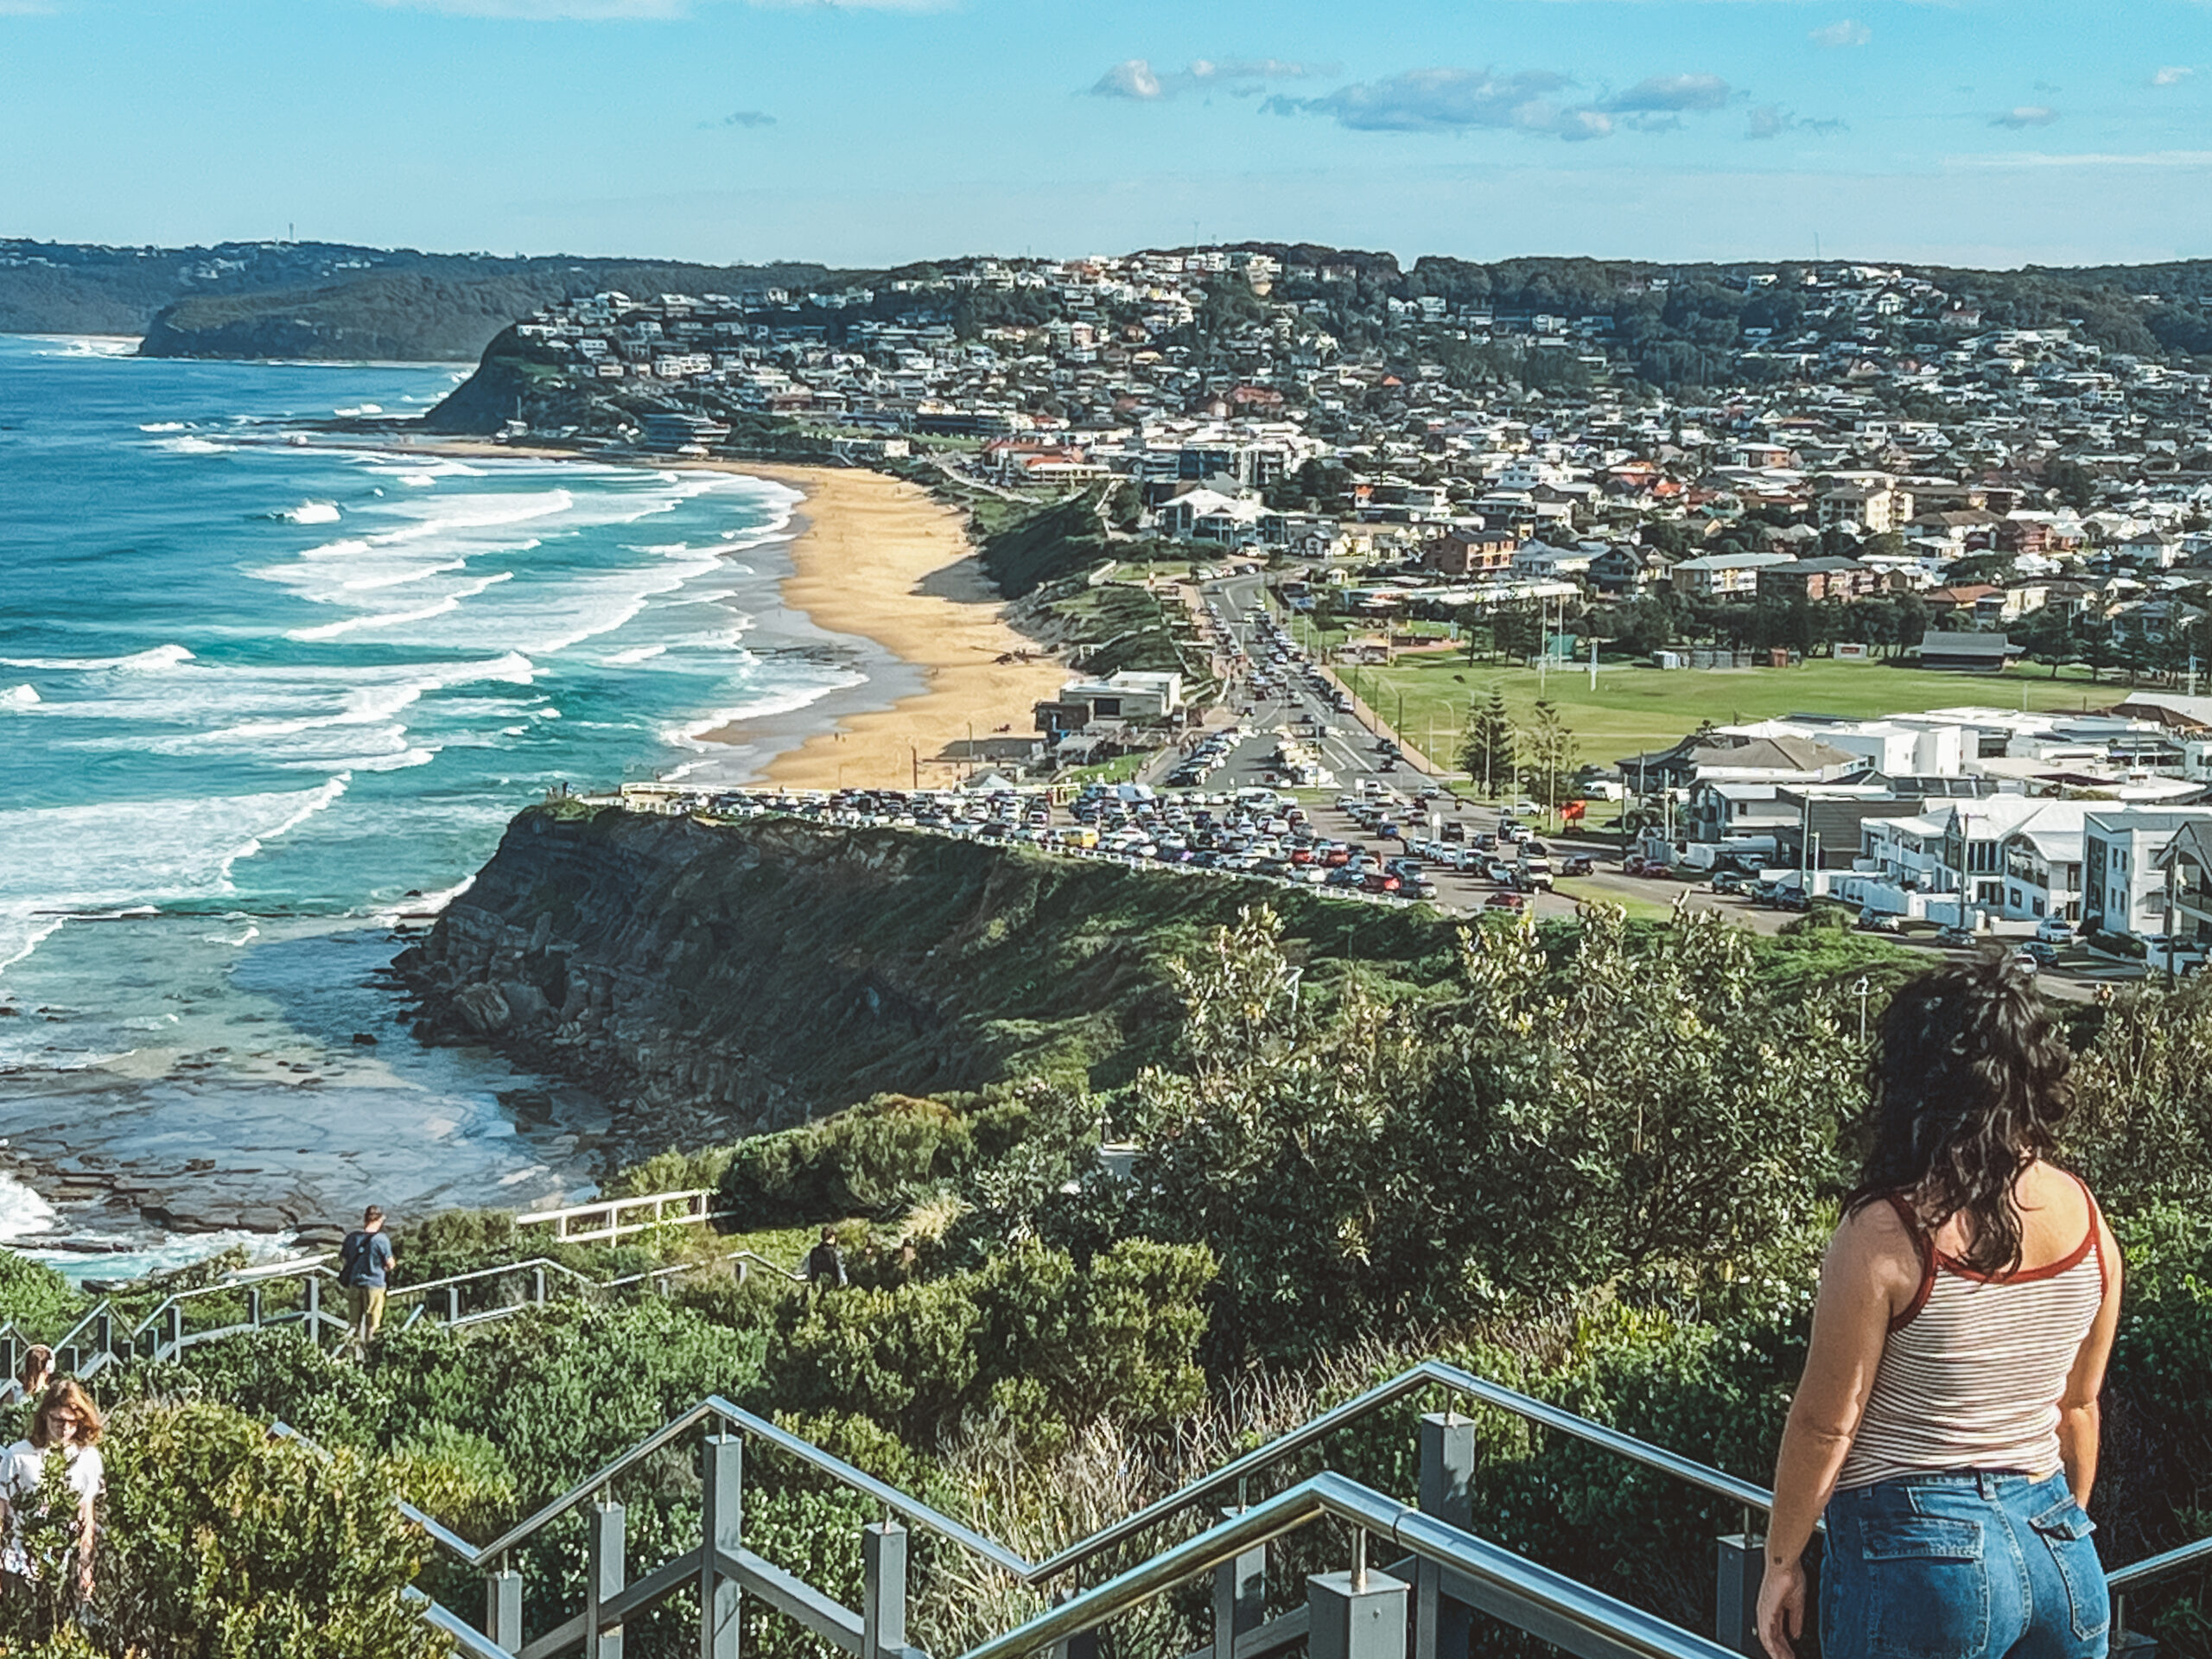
x=221, y=1540
x=866, y=1159
x=33, y=1296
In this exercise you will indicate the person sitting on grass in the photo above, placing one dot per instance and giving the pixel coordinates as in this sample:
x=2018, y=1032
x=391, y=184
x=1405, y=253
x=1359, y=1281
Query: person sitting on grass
x=63, y=1443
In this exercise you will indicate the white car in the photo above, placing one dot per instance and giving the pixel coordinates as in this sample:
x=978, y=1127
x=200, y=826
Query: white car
x=2055, y=930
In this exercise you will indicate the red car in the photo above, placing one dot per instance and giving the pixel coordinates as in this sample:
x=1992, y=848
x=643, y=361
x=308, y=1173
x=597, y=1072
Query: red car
x=1507, y=901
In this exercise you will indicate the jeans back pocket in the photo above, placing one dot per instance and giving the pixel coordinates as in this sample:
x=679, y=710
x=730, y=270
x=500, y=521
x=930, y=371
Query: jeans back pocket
x=1927, y=1585
x=2065, y=1528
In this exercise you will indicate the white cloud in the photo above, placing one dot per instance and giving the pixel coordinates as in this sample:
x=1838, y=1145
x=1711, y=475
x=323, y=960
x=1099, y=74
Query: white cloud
x=1846, y=31
x=1771, y=121
x=1669, y=93
x=1464, y=100
x=2171, y=74
x=1131, y=78
x=1136, y=77
x=2025, y=115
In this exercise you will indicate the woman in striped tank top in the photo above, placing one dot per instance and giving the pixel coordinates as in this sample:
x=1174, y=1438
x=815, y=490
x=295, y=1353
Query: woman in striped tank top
x=1947, y=1420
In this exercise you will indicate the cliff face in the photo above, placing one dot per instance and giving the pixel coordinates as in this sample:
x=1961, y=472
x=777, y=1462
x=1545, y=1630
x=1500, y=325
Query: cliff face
x=714, y=980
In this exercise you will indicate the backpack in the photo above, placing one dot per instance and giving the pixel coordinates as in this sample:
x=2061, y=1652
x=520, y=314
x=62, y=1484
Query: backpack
x=352, y=1255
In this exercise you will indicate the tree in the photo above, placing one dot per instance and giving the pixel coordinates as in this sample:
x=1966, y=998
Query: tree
x=1519, y=631
x=1488, y=753
x=1547, y=766
x=2049, y=638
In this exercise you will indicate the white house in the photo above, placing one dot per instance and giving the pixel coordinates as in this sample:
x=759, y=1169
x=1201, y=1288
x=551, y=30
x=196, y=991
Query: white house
x=2123, y=890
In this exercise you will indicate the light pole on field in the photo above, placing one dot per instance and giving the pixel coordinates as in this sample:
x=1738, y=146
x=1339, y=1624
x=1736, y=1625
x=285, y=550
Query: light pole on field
x=1862, y=991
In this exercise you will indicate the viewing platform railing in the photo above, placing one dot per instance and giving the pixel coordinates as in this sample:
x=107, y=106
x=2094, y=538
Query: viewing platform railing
x=1448, y=1572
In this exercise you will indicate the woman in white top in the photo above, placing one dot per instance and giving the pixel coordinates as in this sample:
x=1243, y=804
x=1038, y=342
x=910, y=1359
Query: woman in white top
x=1946, y=1421
x=68, y=1422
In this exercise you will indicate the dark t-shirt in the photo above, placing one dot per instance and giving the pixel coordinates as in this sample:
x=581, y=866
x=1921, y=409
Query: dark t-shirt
x=363, y=1260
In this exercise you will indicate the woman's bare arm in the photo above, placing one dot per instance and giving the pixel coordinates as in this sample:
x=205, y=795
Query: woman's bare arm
x=1872, y=1273
x=2079, y=1420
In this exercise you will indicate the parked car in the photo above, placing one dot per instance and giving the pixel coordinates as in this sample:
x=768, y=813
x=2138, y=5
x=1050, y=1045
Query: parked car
x=2025, y=959
x=1730, y=881
x=1506, y=901
x=2055, y=930
x=1952, y=933
x=1578, y=864
x=2041, y=948
x=1877, y=921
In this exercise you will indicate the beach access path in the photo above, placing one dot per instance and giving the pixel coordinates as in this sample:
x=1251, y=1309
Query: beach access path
x=877, y=556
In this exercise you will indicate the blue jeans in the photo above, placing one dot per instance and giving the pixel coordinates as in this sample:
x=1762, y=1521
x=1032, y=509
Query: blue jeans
x=1966, y=1565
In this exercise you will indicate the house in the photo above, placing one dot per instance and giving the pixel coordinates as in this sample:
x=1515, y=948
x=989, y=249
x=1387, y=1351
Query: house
x=1968, y=654
x=1128, y=695
x=1817, y=579
x=1625, y=568
x=1470, y=551
x=2123, y=887
x=1874, y=507
x=1723, y=575
x=2186, y=866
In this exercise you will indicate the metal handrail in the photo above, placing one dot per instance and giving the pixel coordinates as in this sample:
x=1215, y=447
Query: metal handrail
x=1428, y=1373
x=1566, y=1603
x=503, y=1267
x=2157, y=1567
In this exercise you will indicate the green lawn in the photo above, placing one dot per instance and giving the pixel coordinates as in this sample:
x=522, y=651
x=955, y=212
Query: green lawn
x=1635, y=708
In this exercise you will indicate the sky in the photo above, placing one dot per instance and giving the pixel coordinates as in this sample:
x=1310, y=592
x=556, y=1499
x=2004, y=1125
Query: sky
x=869, y=132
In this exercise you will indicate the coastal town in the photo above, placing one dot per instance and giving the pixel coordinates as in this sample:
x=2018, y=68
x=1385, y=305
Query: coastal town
x=1720, y=470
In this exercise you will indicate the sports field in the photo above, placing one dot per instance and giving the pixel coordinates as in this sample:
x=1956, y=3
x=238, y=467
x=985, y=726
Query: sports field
x=1634, y=708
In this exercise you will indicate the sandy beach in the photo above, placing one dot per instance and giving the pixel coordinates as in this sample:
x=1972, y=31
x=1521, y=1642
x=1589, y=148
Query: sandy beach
x=881, y=558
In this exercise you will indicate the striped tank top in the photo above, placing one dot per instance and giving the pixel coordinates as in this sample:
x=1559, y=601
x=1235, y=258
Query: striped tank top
x=1973, y=1369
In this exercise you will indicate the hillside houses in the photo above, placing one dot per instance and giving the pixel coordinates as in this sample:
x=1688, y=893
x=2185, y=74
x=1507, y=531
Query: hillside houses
x=1879, y=441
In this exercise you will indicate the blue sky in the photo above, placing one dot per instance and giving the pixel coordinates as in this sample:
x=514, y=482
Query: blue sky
x=1978, y=131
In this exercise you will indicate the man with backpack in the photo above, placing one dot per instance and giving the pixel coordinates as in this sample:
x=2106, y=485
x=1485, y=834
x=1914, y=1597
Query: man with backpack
x=364, y=1260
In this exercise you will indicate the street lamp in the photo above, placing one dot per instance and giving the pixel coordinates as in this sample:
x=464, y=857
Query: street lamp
x=1862, y=991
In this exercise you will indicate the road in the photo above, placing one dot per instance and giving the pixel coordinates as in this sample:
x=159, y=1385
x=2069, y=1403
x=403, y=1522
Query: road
x=1348, y=748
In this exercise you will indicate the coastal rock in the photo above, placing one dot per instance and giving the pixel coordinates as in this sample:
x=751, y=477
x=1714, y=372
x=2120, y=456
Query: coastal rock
x=482, y=1008
x=712, y=981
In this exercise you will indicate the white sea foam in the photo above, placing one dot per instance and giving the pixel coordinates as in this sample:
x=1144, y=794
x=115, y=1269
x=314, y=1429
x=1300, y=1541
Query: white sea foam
x=189, y=445
x=159, y=658
x=132, y=852
x=311, y=512
x=621, y=658
x=166, y=426
x=22, y=1212
x=395, y=619
x=782, y=702
x=19, y=697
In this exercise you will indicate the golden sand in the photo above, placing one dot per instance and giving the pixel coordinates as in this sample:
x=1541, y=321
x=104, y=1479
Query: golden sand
x=882, y=558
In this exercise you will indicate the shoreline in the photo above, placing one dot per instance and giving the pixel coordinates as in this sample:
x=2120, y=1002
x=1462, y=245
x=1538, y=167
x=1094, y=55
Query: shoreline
x=881, y=559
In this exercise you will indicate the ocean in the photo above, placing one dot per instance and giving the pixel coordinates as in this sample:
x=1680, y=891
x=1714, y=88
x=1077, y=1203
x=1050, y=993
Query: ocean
x=258, y=697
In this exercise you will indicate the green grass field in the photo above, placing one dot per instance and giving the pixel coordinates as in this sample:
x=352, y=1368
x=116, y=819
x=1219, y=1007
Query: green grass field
x=1634, y=708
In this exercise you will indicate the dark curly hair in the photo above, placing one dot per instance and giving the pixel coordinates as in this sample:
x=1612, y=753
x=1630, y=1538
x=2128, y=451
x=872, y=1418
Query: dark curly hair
x=1970, y=1084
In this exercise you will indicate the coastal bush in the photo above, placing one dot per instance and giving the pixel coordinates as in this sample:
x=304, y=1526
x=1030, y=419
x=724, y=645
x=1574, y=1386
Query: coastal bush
x=34, y=1297
x=2142, y=1132
x=1029, y=1337
x=219, y=1539
x=1611, y=1102
x=863, y=1160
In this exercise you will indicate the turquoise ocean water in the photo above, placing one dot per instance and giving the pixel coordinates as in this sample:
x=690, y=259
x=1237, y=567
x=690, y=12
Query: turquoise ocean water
x=255, y=697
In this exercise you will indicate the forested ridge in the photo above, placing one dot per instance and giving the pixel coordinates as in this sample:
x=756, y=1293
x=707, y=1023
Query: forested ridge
x=1676, y=324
